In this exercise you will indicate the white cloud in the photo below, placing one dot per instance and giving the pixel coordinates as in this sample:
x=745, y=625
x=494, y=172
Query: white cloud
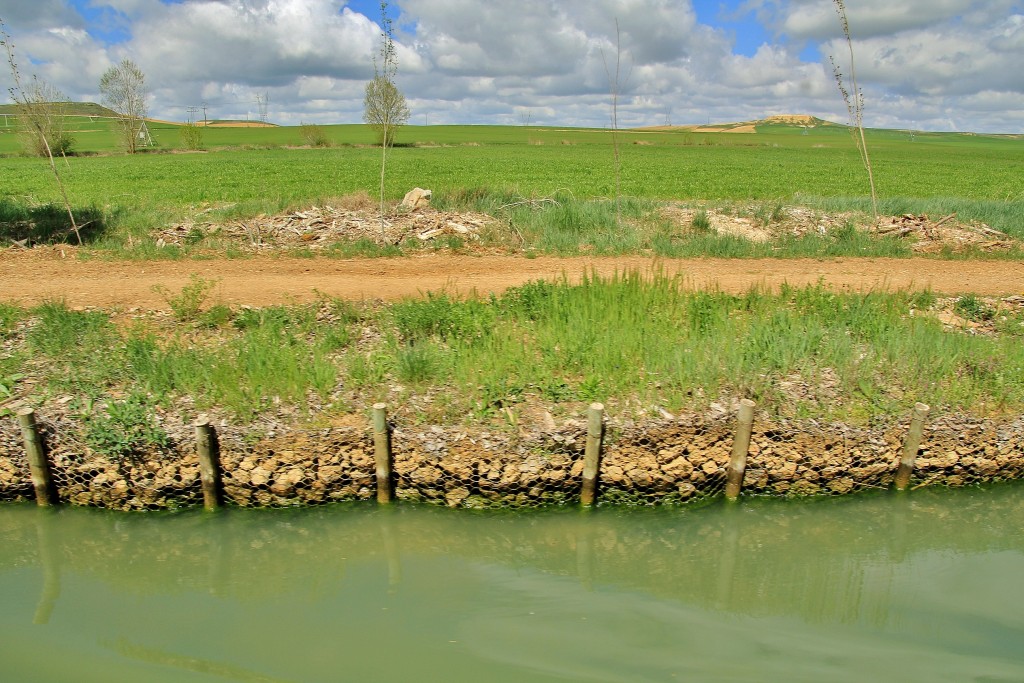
x=936, y=61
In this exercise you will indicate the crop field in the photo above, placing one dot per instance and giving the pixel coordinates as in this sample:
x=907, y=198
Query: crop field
x=242, y=172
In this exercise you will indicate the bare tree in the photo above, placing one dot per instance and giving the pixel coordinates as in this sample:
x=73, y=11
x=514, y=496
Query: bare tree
x=854, y=105
x=123, y=88
x=37, y=116
x=385, y=107
x=614, y=88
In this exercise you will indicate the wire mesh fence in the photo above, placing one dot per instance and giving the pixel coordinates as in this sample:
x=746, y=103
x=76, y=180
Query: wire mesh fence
x=666, y=462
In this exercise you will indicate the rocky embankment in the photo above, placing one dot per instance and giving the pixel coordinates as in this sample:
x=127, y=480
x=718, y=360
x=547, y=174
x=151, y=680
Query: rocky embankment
x=665, y=462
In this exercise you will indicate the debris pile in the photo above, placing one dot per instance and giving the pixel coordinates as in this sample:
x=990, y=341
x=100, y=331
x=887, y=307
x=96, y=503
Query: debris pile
x=319, y=227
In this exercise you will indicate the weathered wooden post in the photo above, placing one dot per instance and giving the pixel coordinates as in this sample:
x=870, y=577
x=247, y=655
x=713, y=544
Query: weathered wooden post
x=38, y=465
x=592, y=454
x=740, y=447
x=911, y=446
x=208, y=450
x=382, y=451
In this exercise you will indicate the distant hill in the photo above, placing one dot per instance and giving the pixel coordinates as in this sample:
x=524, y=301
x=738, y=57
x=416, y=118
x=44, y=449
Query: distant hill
x=803, y=120
x=795, y=120
x=72, y=108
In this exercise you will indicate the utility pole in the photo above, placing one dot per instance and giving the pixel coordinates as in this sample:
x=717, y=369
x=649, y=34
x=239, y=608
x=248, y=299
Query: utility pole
x=191, y=115
x=205, y=122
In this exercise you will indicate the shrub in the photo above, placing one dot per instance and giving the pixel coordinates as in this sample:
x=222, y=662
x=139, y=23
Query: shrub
x=125, y=428
x=191, y=136
x=314, y=135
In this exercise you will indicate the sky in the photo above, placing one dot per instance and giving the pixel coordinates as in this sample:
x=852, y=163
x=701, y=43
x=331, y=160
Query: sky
x=921, y=64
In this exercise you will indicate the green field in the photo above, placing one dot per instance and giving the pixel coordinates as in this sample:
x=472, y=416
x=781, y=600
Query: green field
x=246, y=171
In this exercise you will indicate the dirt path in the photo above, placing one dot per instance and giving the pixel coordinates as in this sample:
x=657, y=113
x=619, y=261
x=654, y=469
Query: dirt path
x=30, y=277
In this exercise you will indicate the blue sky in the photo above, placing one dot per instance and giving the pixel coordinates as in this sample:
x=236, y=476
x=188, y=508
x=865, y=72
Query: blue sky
x=926, y=64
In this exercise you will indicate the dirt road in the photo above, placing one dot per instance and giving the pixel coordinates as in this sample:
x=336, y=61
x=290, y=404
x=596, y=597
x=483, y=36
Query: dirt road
x=30, y=277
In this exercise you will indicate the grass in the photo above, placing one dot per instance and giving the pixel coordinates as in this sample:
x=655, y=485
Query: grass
x=633, y=342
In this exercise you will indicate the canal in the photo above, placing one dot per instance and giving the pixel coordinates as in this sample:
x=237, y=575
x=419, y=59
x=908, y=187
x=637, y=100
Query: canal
x=921, y=587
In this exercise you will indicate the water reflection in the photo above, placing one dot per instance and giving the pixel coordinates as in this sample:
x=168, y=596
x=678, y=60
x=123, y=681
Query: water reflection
x=835, y=589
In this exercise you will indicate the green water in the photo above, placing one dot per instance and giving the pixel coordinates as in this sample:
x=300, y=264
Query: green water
x=924, y=587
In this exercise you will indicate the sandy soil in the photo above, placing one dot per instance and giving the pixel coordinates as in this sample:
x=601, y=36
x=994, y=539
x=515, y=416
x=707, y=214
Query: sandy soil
x=31, y=276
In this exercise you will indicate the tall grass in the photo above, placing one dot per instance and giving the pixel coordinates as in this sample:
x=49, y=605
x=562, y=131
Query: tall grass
x=639, y=342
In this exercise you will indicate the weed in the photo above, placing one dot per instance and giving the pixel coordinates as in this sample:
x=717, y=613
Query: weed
x=769, y=213
x=701, y=221
x=125, y=428
x=972, y=308
x=218, y=315
x=8, y=383
x=417, y=363
x=10, y=316
x=187, y=305
x=69, y=335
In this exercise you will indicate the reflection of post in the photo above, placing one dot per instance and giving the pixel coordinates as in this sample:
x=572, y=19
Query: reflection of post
x=219, y=554
x=911, y=447
x=730, y=549
x=48, y=561
x=390, y=541
x=592, y=454
x=740, y=447
x=382, y=451
x=585, y=552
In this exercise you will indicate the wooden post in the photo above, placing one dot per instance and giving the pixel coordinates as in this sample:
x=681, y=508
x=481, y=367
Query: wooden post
x=38, y=465
x=740, y=447
x=382, y=451
x=208, y=450
x=911, y=446
x=592, y=454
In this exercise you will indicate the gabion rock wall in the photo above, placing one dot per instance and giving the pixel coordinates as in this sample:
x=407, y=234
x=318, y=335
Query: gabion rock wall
x=668, y=462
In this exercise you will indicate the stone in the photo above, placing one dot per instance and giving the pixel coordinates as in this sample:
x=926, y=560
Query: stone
x=416, y=198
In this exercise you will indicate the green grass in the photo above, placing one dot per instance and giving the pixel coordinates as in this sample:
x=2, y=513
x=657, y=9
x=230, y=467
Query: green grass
x=631, y=341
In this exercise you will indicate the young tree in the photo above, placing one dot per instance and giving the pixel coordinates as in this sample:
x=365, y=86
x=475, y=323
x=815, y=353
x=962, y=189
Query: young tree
x=39, y=119
x=613, y=85
x=854, y=105
x=123, y=88
x=385, y=107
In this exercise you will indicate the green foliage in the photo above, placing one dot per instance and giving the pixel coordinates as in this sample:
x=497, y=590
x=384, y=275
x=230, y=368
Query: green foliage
x=187, y=305
x=125, y=428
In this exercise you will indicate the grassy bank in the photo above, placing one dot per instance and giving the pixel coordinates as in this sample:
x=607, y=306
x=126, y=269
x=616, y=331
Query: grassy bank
x=638, y=345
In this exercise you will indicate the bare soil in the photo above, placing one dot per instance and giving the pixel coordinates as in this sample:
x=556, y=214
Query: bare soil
x=31, y=276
